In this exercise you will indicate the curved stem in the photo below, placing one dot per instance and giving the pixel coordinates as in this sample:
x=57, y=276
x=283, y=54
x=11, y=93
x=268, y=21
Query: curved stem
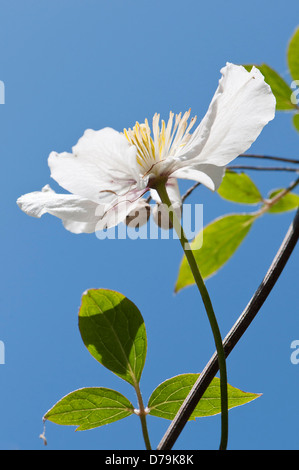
x=235, y=334
x=142, y=415
x=269, y=157
x=161, y=189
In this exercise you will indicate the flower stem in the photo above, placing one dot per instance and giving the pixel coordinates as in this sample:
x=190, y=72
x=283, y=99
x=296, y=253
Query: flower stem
x=161, y=189
x=142, y=415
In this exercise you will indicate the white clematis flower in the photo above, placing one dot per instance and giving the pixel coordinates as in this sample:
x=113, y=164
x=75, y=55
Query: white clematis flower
x=108, y=172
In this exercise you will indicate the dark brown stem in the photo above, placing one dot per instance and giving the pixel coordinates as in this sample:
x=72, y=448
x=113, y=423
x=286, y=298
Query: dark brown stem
x=262, y=168
x=270, y=157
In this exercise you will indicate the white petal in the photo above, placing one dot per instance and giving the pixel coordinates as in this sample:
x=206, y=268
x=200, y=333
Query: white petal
x=77, y=214
x=201, y=134
x=208, y=175
x=101, y=167
x=79, y=227
x=242, y=105
x=117, y=213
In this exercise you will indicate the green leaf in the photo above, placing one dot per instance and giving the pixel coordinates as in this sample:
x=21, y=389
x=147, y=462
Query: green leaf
x=296, y=121
x=293, y=55
x=220, y=239
x=113, y=331
x=169, y=396
x=238, y=187
x=281, y=90
x=90, y=408
x=288, y=202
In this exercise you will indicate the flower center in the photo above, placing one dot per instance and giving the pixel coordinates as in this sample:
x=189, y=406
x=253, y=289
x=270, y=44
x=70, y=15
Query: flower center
x=166, y=139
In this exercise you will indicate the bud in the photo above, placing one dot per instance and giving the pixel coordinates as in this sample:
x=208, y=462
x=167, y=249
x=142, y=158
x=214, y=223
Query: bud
x=139, y=216
x=161, y=215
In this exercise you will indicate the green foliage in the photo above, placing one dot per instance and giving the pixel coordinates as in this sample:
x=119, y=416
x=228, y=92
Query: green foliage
x=113, y=331
x=90, y=408
x=169, y=396
x=284, y=94
x=281, y=90
x=221, y=238
x=288, y=202
x=293, y=55
x=296, y=121
x=239, y=187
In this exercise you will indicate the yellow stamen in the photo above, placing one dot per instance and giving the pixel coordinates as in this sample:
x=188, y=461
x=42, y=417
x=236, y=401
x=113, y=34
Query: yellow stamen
x=165, y=141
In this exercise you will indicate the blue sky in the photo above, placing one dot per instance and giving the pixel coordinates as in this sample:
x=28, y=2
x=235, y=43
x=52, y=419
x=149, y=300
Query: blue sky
x=72, y=65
